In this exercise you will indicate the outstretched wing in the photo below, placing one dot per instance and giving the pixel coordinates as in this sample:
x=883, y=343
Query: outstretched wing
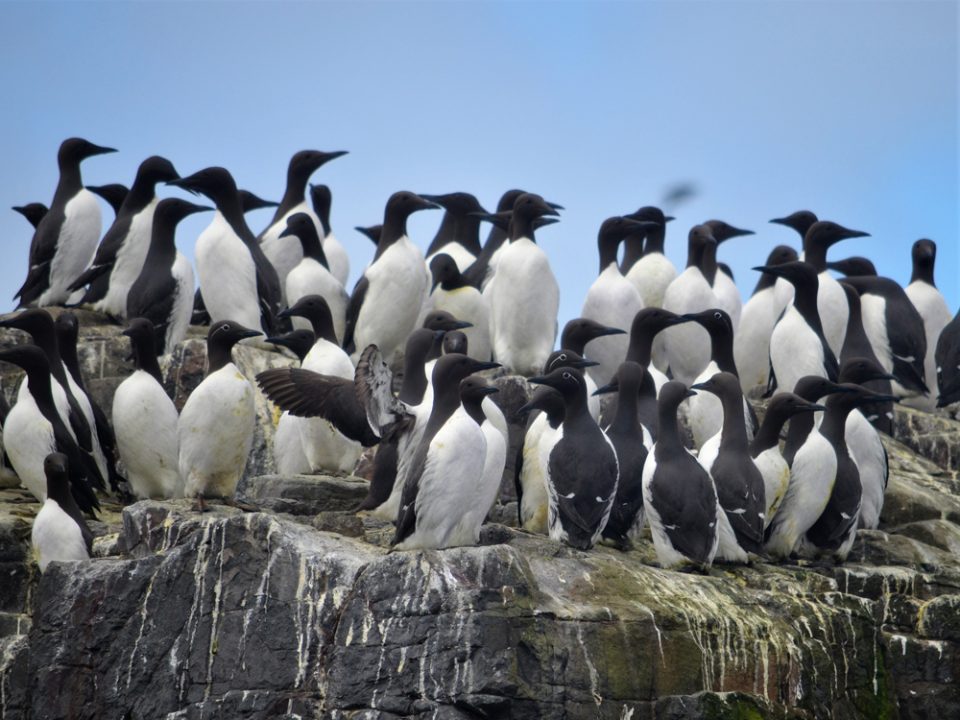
x=374, y=385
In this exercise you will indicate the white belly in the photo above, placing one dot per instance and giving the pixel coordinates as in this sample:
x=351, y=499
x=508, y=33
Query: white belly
x=751, y=342
x=182, y=304
x=866, y=449
x=56, y=537
x=461, y=256
x=216, y=433
x=145, y=424
x=537, y=443
x=524, y=300
x=28, y=439
x=728, y=297
x=76, y=246
x=612, y=300
x=795, y=351
x=834, y=311
x=485, y=492
x=651, y=275
x=687, y=346
x=776, y=479
x=129, y=262
x=933, y=309
x=469, y=305
x=288, y=452
x=311, y=278
x=397, y=288
x=328, y=359
x=227, y=275
x=337, y=258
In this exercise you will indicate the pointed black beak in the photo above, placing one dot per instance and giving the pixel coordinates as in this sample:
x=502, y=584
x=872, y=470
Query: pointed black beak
x=668, y=218
x=481, y=366
x=610, y=387
x=555, y=206
x=250, y=333
x=581, y=364
x=690, y=393
x=287, y=312
x=601, y=332
x=98, y=150
x=489, y=390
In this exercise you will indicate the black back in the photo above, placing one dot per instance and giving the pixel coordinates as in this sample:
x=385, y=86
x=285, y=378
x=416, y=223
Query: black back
x=948, y=363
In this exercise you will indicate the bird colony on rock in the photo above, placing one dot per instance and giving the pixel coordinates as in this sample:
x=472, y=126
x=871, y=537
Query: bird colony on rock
x=676, y=445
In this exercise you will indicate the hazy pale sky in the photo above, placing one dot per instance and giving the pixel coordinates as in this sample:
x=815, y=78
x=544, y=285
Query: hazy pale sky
x=849, y=109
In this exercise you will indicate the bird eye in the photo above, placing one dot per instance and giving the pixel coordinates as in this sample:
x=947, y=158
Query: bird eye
x=717, y=315
x=562, y=357
x=567, y=376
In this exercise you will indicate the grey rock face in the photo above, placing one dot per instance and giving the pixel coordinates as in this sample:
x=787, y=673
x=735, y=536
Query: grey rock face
x=299, y=611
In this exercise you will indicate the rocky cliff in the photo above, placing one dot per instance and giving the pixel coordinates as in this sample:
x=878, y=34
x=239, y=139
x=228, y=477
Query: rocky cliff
x=300, y=611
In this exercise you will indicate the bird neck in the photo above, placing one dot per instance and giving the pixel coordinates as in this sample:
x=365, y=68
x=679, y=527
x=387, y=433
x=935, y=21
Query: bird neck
x=474, y=408
x=805, y=301
x=668, y=432
x=625, y=422
x=446, y=400
x=833, y=427
x=923, y=272
x=39, y=385
x=800, y=427
x=608, y=253
x=146, y=360
x=70, y=182
x=521, y=226
x=218, y=356
x=721, y=344
x=68, y=352
x=141, y=193
x=632, y=251
x=768, y=435
x=816, y=255
x=312, y=247
x=655, y=240
x=641, y=347
x=734, y=431
x=162, y=249
x=765, y=282
x=414, y=383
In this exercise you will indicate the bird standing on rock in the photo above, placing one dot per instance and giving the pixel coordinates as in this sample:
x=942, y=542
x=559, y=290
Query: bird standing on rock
x=59, y=531
x=216, y=425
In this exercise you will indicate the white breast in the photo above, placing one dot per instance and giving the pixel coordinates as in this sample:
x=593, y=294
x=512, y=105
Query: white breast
x=328, y=359
x=812, y=477
x=406, y=448
x=227, y=274
x=182, y=303
x=795, y=351
x=28, y=439
x=651, y=275
x=56, y=537
x=285, y=252
x=311, y=278
x=834, y=311
x=129, y=262
x=533, y=500
x=216, y=432
x=524, y=301
x=936, y=315
x=776, y=478
x=76, y=246
x=453, y=469
x=337, y=257
x=145, y=423
x=485, y=491
x=612, y=300
x=866, y=449
x=468, y=304
x=687, y=346
x=751, y=342
x=288, y=447
x=397, y=288
x=728, y=297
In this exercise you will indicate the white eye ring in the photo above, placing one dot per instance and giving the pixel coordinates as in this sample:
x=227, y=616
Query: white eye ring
x=567, y=376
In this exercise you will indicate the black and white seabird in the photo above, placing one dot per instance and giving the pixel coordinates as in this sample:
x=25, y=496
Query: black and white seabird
x=447, y=466
x=383, y=311
x=123, y=250
x=947, y=356
x=114, y=194
x=481, y=271
x=451, y=292
x=475, y=396
x=856, y=346
x=59, y=531
x=33, y=212
x=765, y=448
x=798, y=346
x=324, y=447
x=626, y=434
x=288, y=454
x=644, y=263
x=582, y=472
x=524, y=295
x=814, y=389
x=863, y=440
x=285, y=252
x=612, y=299
x=66, y=238
x=896, y=332
x=687, y=346
x=799, y=221
x=216, y=425
x=644, y=328
x=459, y=233
x=751, y=342
x=739, y=482
x=236, y=278
x=540, y=436
x=679, y=498
x=145, y=421
x=71, y=402
x=312, y=275
x=704, y=412
x=929, y=302
x=533, y=458
x=163, y=292
x=831, y=305
x=723, y=284
x=33, y=429
x=835, y=529
x=68, y=330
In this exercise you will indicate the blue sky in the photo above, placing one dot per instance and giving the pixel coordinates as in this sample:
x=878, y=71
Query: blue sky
x=849, y=109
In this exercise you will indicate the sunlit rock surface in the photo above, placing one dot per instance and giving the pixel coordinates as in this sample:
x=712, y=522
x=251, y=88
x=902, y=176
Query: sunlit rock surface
x=300, y=611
